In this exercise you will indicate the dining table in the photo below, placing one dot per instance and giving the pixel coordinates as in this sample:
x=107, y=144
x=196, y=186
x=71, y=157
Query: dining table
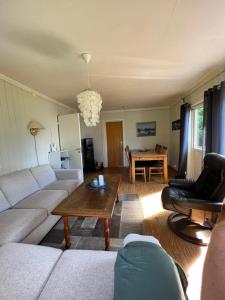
x=148, y=155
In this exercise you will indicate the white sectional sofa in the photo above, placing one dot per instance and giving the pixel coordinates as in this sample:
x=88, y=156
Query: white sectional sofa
x=27, y=198
x=48, y=273
x=141, y=272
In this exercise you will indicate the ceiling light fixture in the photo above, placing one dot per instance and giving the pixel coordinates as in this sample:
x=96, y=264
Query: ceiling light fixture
x=89, y=101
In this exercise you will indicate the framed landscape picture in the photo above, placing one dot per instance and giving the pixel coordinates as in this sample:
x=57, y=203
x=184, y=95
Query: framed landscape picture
x=176, y=125
x=146, y=129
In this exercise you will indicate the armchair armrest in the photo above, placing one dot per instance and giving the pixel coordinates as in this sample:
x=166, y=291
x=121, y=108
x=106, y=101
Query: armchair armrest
x=63, y=174
x=185, y=184
x=201, y=204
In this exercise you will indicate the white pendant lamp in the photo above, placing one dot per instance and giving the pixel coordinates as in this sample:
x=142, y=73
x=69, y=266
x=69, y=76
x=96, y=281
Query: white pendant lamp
x=89, y=101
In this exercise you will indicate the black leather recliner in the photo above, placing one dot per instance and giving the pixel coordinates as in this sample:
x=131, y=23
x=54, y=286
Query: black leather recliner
x=196, y=203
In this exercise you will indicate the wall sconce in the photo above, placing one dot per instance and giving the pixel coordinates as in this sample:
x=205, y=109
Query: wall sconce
x=34, y=128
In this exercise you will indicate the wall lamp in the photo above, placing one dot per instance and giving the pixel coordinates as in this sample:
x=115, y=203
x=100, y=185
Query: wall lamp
x=34, y=127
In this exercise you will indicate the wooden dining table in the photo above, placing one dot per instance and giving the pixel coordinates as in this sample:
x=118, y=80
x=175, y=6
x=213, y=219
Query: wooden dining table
x=148, y=155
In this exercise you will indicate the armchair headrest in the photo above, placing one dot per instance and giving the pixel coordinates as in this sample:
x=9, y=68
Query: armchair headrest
x=211, y=182
x=215, y=162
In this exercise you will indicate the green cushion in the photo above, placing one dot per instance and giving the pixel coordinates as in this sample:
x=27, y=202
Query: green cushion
x=144, y=270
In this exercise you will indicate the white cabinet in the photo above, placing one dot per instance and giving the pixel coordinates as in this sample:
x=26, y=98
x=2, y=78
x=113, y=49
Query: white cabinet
x=70, y=139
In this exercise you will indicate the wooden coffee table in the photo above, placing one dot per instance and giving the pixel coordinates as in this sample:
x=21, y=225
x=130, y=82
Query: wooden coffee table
x=85, y=202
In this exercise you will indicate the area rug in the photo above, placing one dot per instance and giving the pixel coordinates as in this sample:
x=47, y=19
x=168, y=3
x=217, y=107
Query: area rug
x=87, y=233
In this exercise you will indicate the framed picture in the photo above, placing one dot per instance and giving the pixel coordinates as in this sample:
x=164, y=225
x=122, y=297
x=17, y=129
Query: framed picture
x=146, y=129
x=176, y=125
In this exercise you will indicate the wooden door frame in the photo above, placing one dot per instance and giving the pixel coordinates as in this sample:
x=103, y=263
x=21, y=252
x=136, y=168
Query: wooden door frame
x=105, y=149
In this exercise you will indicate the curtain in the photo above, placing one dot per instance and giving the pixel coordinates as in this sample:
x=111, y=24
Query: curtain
x=184, y=137
x=214, y=119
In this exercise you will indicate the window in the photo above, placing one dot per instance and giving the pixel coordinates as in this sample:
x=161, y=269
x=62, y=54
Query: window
x=198, y=127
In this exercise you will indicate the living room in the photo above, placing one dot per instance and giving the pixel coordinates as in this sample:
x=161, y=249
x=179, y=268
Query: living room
x=123, y=75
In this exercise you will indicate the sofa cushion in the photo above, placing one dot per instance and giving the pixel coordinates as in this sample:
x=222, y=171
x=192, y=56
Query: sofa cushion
x=68, y=185
x=25, y=270
x=43, y=174
x=4, y=204
x=69, y=174
x=82, y=274
x=43, y=199
x=18, y=185
x=16, y=224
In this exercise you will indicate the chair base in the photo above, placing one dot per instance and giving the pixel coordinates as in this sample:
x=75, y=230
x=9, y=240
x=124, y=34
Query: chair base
x=194, y=233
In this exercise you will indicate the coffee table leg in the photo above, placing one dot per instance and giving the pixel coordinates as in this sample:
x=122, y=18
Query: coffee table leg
x=117, y=198
x=106, y=233
x=66, y=232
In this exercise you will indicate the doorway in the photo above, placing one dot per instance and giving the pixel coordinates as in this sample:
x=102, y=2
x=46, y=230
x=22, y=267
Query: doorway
x=114, y=137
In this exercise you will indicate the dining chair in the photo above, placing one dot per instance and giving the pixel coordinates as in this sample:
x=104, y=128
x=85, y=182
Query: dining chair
x=157, y=148
x=139, y=170
x=160, y=148
x=157, y=167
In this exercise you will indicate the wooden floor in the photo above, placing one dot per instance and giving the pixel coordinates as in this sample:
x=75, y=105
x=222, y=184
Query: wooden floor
x=189, y=256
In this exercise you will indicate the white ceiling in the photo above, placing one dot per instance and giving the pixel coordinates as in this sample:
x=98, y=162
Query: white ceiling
x=145, y=53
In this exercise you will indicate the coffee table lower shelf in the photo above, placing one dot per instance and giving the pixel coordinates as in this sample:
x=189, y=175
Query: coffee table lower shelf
x=67, y=233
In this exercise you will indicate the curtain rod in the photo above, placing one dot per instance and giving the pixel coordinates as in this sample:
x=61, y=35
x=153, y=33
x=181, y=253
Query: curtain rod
x=203, y=85
x=194, y=106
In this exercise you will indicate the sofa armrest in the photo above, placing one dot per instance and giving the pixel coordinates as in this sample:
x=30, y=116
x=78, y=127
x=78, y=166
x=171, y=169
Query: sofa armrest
x=63, y=174
x=133, y=237
x=185, y=184
x=144, y=269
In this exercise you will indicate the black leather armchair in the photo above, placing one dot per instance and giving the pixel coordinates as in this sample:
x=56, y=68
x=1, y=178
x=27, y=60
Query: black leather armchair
x=196, y=203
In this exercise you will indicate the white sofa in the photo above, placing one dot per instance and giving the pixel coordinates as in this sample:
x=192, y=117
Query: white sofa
x=27, y=198
x=38, y=272
x=48, y=273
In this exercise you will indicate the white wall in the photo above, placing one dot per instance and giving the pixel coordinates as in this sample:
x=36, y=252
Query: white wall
x=130, y=118
x=194, y=98
x=17, y=107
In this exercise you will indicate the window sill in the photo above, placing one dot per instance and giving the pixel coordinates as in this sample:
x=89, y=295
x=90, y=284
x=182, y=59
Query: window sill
x=198, y=149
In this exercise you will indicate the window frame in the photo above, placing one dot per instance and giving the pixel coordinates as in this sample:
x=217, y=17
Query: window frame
x=195, y=147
